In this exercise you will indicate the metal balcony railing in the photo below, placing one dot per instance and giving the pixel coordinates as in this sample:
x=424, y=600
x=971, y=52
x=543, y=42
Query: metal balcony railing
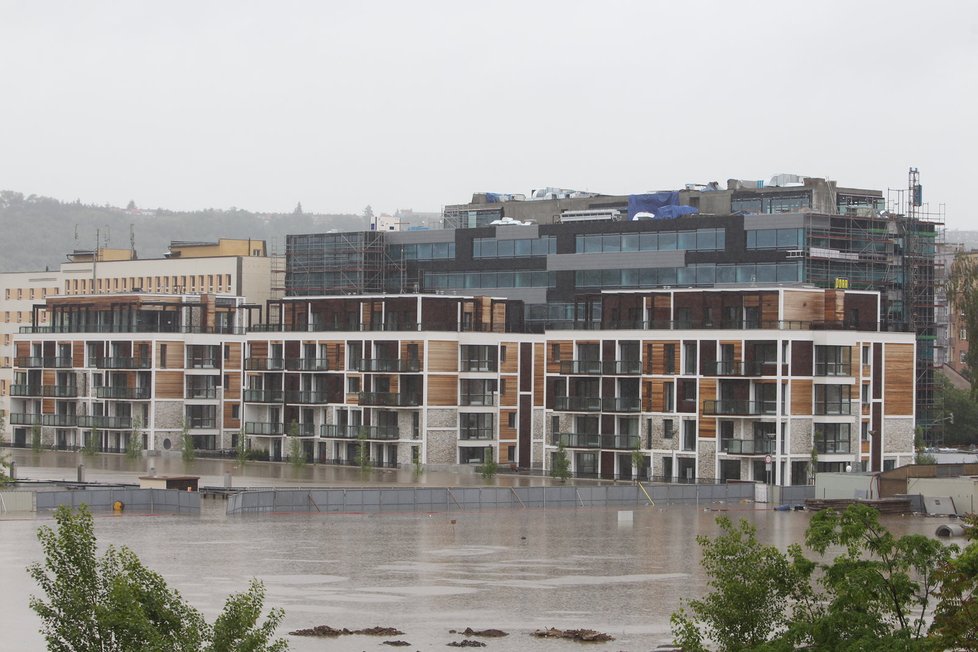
x=620, y=442
x=35, y=362
x=833, y=369
x=622, y=367
x=296, y=396
x=621, y=404
x=580, y=367
x=748, y=446
x=307, y=364
x=264, y=364
x=104, y=422
x=124, y=393
x=387, y=365
x=24, y=419
x=578, y=403
x=122, y=362
x=59, y=420
x=735, y=407
x=59, y=391
x=333, y=431
x=389, y=399
x=25, y=390
x=262, y=396
x=577, y=440
x=264, y=428
x=477, y=399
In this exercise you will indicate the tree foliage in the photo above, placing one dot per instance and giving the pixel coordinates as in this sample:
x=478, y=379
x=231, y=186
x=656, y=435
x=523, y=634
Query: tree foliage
x=116, y=604
x=962, y=291
x=297, y=453
x=489, y=467
x=561, y=465
x=187, y=450
x=958, y=402
x=866, y=590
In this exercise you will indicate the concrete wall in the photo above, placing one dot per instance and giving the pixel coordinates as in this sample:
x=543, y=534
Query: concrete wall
x=962, y=490
x=425, y=499
x=845, y=485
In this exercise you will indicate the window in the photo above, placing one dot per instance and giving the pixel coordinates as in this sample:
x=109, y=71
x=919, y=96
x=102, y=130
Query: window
x=235, y=411
x=669, y=356
x=832, y=360
x=689, y=435
x=555, y=352
x=866, y=393
x=510, y=419
x=832, y=399
x=963, y=334
x=163, y=355
x=353, y=384
x=831, y=438
x=689, y=357
x=502, y=353
x=667, y=428
x=479, y=357
x=866, y=351
x=668, y=397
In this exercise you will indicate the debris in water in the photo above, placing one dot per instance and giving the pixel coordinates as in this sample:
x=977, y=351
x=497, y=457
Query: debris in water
x=466, y=643
x=327, y=631
x=583, y=635
x=486, y=633
x=396, y=643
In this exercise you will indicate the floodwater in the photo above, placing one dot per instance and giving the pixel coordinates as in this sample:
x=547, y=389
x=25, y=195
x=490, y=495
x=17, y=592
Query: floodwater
x=515, y=570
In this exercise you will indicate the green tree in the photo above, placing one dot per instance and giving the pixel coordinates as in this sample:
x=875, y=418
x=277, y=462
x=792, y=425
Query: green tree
x=962, y=291
x=241, y=450
x=116, y=604
x=363, y=450
x=36, y=442
x=750, y=584
x=489, y=467
x=134, y=443
x=955, y=624
x=3, y=428
x=187, y=450
x=297, y=453
x=638, y=461
x=561, y=464
x=964, y=409
x=89, y=445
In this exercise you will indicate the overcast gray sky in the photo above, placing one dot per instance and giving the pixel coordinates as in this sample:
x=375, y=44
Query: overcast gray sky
x=418, y=104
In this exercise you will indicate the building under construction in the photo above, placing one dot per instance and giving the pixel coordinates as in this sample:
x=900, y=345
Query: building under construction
x=554, y=246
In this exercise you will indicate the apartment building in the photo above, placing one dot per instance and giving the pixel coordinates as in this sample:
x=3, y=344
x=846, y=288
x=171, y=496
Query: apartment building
x=239, y=267
x=700, y=384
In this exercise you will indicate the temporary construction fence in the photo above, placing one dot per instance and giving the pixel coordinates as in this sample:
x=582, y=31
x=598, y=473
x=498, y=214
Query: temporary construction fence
x=459, y=499
x=131, y=499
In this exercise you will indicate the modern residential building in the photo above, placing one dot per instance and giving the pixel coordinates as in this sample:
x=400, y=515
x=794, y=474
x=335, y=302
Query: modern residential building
x=701, y=384
x=239, y=267
x=551, y=250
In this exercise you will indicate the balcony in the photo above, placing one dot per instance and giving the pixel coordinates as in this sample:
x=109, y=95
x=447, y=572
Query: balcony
x=201, y=423
x=123, y=393
x=833, y=369
x=24, y=419
x=835, y=408
x=829, y=446
x=748, y=446
x=578, y=403
x=59, y=391
x=620, y=441
x=622, y=367
x=263, y=428
x=264, y=364
x=580, y=367
x=59, y=420
x=484, y=400
x=735, y=408
x=577, y=440
x=104, y=422
x=385, y=365
x=122, y=363
x=386, y=433
x=294, y=396
x=263, y=396
x=201, y=393
x=203, y=362
x=389, y=399
x=476, y=434
x=306, y=364
x=34, y=362
x=727, y=368
x=621, y=404
x=25, y=390
x=478, y=365
x=301, y=429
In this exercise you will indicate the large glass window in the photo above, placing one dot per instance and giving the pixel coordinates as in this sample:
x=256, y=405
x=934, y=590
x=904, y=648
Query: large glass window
x=832, y=438
x=520, y=248
x=832, y=399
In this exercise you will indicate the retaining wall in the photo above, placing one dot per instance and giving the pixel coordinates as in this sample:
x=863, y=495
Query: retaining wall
x=143, y=500
x=444, y=499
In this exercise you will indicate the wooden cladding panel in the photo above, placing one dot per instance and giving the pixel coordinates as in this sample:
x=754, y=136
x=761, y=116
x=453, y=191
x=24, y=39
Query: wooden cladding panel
x=174, y=355
x=258, y=349
x=511, y=364
x=505, y=430
x=801, y=397
x=708, y=427
x=769, y=307
x=442, y=356
x=23, y=349
x=659, y=356
x=738, y=348
x=538, y=368
x=169, y=384
x=233, y=360
x=499, y=318
x=442, y=390
x=230, y=421
x=898, y=379
x=804, y=306
x=47, y=406
x=708, y=392
x=508, y=396
x=47, y=376
x=335, y=354
x=78, y=355
x=418, y=345
x=566, y=351
x=233, y=389
x=658, y=396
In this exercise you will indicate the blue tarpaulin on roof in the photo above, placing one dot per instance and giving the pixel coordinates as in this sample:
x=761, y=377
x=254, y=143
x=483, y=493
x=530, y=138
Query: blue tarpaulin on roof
x=663, y=205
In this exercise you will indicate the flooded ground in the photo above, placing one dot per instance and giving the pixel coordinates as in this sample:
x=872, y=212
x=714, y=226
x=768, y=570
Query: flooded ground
x=515, y=570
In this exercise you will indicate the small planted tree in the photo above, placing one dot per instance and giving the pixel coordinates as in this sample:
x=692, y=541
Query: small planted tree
x=638, y=461
x=416, y=461
x=3, y=428
x=187, y=450
x=134, y=443
x=561, y=464
x=812, y=465
x=89, y=446
x=36, y=443
x=489, y=466
x=297, y=454
x=363, y=450
x=241, y=450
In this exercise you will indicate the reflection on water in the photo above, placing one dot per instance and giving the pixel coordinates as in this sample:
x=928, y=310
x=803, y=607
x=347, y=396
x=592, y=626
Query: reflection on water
x=516, y=570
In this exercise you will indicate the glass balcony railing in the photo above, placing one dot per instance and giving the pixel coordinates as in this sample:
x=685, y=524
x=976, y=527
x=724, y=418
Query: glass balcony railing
x=34, y=362
x=620, y=441
x=295, y=396
x=59, y=420
x=60, y=391
x=580, y=367
x=307, y=364
x=577, y=440
x=201, y=393
x=578, y=403
x=24, y=419
x=384, y=365
x=201, y=423
x=123, y=393
x=262, y=396
x=621, y=404
x=735, y=407
x=622, y=367
x=263, y=428
x=474, y=434
x=748, y=446
x=389, y=399
x=104, y=422
x=25, y=390
x=264, y=364
x=333, y=431
x=122, y=362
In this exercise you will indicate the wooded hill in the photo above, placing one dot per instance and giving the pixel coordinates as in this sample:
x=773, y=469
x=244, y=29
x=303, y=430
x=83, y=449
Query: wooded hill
x=37, y=232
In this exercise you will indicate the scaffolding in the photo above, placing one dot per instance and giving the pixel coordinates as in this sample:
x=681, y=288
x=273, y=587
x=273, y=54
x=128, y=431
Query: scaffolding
x=337, y=263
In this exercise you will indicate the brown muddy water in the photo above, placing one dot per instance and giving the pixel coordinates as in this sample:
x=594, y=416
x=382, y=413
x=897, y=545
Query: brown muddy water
x=515, y=570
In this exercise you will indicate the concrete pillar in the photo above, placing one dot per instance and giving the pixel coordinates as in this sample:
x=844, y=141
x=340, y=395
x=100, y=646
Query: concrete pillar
x=13, y=470
x=81, y=473
x=227, y=480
